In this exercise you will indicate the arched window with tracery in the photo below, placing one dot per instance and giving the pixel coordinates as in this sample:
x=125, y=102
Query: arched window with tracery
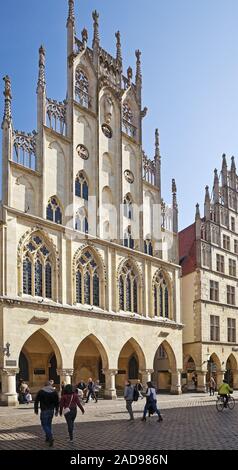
x=127, y=120
x=37, y=268
x=161, y=296
x=128, y=206
x=128, y=240
x=87, y=279
x=128, y=288
x=81, y=186
x=148, y=246
x=81, y=220
x=53, y=210
x=82, y=88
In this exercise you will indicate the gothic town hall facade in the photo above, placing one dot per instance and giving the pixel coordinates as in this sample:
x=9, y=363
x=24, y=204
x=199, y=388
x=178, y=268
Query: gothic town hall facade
x=89, y=282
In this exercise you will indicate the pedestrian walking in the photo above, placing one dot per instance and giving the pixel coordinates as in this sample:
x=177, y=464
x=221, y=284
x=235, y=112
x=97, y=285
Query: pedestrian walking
x=139, y=388
x=151, y=402
x=91, y=390
x=212, y=386
x=49, y=402
x=97, y=388
x=68, y=406
x=129, y=395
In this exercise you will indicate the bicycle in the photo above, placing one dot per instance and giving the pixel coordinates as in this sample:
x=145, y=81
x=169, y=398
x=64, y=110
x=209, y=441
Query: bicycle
x=220, y=403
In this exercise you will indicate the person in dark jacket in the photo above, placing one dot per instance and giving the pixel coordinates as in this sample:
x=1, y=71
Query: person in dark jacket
x=49, y=401
x=128, y=396
x=69, y=402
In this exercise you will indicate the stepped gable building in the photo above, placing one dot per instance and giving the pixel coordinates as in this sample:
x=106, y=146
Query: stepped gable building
x=87, y=286
x=209, y=258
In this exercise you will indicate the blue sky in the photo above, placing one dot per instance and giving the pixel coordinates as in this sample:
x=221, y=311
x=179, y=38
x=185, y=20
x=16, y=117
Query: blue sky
x=190, y=75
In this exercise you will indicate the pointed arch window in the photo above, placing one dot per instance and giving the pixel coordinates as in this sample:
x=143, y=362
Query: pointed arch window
x=161, y=296
x=128, y=240
x=37, y=268
x=128, y=206
x=81, y=220
x=87, y=280
x=82, y=88
x=81, y=186
x=128, y=288
x=148, y=246
x=53, y=211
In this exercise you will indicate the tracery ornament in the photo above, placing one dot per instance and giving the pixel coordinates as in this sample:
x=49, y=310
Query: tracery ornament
x=161, y=290
x=107, y=131
x=129, y=177
x=87, y=279
x=128, y=288
x=53, y=210
x=25, y=148
x=56, y=112
x=37, y=267
x=82, y=151
x=82, y=88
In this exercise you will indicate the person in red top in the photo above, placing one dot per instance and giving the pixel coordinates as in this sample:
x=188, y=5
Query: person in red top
x=68, y=405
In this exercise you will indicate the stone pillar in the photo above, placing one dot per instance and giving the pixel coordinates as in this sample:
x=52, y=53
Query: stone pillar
x=9, y=393
x=110, y=385
x=146, y=376
x=220, y=377
x=201, y=381
x=235, y=379
x=176, y=382
x=65, y=375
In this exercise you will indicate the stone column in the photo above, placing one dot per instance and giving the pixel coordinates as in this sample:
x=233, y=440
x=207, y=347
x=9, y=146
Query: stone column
x=201, y=381
x=110, y=385
x=235, y=379
x=65, y=375
x=146, y=376
x=176, y=382
x=220, y=377
x=9, y=393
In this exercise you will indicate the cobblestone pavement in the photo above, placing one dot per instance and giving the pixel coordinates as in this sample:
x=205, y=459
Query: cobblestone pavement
x=191, y=421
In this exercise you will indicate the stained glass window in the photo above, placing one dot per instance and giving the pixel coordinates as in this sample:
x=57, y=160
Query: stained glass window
x=38, y=278
x=135, y=295
x=87, y=292
x=81, y=186
x=78, y=287
x=27, y=276
x=37, y=268
x=87, y=288
x=53, y=211
x=121, y=293
x=96, y=290
x=128, y=289
x=48, y=281
x=161, y=296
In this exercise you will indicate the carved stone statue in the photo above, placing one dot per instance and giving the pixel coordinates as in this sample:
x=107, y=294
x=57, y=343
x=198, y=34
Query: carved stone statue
x=108, y=107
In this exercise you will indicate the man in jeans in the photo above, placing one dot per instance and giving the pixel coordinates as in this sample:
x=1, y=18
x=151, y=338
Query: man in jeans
x=129, y=395
x=49, y=401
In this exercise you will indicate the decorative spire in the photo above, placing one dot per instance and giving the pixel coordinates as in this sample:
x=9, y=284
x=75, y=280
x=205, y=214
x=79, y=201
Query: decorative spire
x=41, y=76
x=157, y=152
x=207, y=195
x=224, y=170
x=129, y=75
x=197, y=213
x=96, y=39
x=233, y=165
x=71, y=16
x=7, y=117
x=118, y=56
x=138, y=65
x=84, y=34
x=216, y=187
x=175, y=206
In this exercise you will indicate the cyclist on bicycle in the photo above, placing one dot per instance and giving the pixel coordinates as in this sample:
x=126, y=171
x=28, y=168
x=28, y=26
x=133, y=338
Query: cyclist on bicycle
x=224, y=391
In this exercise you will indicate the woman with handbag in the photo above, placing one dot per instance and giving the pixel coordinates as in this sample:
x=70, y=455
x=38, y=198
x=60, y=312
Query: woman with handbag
x=68, y=406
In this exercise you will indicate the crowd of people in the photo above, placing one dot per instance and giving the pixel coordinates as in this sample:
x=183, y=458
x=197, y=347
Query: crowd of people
x=71, y=398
